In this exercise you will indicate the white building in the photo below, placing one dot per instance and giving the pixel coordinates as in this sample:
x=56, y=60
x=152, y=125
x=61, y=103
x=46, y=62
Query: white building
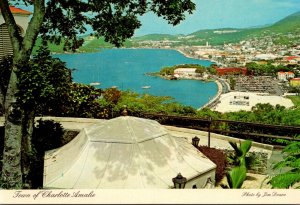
x=266, y=57
x=22, y=20
x=185, y=72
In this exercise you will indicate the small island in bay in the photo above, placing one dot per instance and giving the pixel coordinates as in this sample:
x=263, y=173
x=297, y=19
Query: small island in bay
x=186, y=71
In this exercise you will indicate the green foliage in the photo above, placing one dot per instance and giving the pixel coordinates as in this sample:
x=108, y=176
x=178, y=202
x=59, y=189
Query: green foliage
x=47, y=135
x=295, y=100
x=42, y=80
x=286, y=180
x=5, y=70
x=167, y=71
x=236, y=177
x=232, y=83
x=207, y=113
x=239, y=159
x=82, y=101
x=145, y=103
x=200, y=69
x=291, y=162
x=212, y=69
x=265, y=69
x=115, y=21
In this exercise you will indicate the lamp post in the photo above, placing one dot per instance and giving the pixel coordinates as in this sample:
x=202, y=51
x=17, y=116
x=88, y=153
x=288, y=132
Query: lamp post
x=195, y=141
x=179, y=181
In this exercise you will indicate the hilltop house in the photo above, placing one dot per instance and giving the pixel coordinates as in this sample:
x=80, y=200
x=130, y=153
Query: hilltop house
x=284, y=76
x=21, y=17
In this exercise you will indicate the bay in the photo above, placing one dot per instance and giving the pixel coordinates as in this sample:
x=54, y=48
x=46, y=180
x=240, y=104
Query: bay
x=126, y=68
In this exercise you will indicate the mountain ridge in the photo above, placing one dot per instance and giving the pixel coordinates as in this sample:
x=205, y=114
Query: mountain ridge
x=218, y=36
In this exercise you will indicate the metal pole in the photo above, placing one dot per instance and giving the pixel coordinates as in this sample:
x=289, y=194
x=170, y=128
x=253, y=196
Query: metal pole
x=209, y=127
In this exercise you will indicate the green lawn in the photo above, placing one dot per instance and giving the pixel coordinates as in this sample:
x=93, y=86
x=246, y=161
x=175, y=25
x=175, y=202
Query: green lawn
x=296, y=100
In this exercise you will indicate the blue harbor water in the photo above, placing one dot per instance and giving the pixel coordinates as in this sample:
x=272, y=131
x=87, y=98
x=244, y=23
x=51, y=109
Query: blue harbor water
x=126, y=68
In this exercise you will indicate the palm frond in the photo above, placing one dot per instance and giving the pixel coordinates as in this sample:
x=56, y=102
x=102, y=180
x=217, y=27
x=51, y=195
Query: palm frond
x=285, y=180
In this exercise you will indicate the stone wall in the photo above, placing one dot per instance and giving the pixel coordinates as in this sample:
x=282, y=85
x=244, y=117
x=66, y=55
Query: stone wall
x=260, y=164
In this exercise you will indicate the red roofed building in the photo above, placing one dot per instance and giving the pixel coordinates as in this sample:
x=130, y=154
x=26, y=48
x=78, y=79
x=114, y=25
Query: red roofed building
x=281, y=75
x=15, y=10
x=231, y=71
x=289, y=58
x=284, y=76
x=22, y=20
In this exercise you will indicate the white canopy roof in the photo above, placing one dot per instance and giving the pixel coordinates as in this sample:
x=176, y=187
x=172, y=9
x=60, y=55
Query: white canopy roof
x=125, y=152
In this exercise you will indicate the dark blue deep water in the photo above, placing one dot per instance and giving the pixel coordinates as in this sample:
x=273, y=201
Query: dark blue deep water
x=126, y=69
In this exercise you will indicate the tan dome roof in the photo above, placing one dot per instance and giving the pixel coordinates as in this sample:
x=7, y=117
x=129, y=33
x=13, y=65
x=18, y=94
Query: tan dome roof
x=125, y=129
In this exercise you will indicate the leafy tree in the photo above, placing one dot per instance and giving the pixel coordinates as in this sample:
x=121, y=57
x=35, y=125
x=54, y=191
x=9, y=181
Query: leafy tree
x=232, y=83
x=167, y=71
x=81, y=101
x=200, y=69
x=44, y=80
x=57, y=20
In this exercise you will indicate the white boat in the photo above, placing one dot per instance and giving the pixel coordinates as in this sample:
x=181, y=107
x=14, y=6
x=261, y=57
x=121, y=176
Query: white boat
x=95, y=83
x=114, y=86
x=146, y=87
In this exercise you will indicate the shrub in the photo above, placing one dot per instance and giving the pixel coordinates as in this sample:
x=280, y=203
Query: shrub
x=218, y=157
x=46, y=136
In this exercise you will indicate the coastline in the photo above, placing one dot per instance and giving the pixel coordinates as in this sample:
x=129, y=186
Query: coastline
x=213, y=101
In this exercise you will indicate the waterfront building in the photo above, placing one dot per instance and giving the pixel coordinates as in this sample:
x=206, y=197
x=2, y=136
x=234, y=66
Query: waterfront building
x=22, y=20
x=185, y=72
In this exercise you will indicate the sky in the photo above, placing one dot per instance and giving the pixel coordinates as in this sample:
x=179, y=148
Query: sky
x=212, y=14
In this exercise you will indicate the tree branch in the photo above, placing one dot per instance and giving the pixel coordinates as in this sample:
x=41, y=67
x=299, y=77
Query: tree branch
x=34, y=26
x=2, y=98
x=11, y=25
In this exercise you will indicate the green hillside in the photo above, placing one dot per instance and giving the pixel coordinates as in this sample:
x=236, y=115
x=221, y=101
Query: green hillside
x=156, y=37
x=286, y=25
x=219, y=38
x=290, y=24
